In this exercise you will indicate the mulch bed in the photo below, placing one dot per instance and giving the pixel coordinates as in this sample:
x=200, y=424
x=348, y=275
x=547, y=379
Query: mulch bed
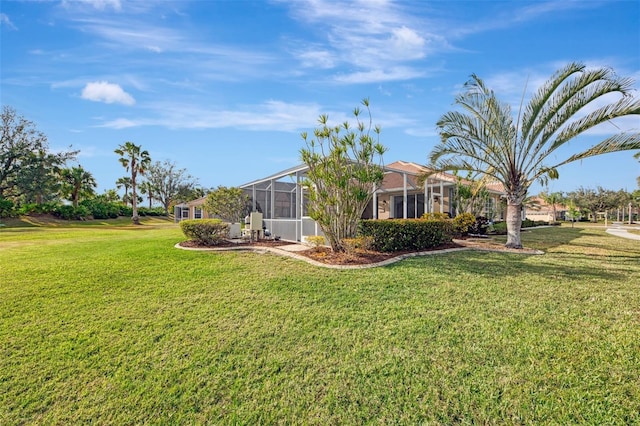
x=360, y=257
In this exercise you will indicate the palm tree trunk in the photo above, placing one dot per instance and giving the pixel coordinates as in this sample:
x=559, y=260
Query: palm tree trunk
x=514, y=222
x=134, y=203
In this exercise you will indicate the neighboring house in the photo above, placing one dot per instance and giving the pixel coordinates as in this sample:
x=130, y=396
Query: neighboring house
x=191, y=210
x=281, y=198
x=539, y=210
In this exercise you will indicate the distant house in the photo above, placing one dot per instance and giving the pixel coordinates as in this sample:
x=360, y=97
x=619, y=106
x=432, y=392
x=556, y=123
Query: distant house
x=191, y=210
x=282, y=198
x=539, y=210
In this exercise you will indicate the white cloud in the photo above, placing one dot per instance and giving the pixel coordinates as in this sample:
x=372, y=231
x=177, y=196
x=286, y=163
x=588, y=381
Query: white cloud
x=96, y=4
x=317, y=58
x=102, y=91
x=379, y=75
x=6, y=22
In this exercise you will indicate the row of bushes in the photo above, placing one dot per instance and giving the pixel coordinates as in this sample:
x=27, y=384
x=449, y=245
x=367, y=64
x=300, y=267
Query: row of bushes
x=95, y=208
x=501, y=227
x=406, y=234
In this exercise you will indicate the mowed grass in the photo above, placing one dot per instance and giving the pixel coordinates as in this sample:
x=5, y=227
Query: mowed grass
x=110, y=324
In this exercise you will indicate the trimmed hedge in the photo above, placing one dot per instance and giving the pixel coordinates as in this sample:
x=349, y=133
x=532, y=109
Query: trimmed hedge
x=209, y=232
x=406, y=234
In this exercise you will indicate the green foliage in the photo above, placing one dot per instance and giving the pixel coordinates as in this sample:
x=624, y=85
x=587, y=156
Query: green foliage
x=462, y=223
x=69, y=212
x=406, y=234
x=154, y=211
x=7, y=208
x=77, y=183
x=480, y=226
x=345, y=164
x=316, y=241
x=499, y=228
x=598, y=200
x=27, y=167
x=209, y=232
x=229, y=204
x=436, y=216
x=351, y=245
x=100, y=208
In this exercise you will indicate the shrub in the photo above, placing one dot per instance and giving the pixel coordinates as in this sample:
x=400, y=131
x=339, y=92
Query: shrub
x=68, y=212
x=406, y=234
x=101, y=209
x=154, y=211
x=480, y=226
x=7, y=208
x=316, y=241
x=353, y=244
x=207, y=232
x=499, y=228
x=462, y=223
x=436, y=216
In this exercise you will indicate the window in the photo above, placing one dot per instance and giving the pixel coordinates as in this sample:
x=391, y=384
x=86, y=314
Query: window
x=197, y=213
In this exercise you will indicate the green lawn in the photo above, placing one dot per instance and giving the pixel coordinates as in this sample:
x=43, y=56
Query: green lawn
x=110, y=324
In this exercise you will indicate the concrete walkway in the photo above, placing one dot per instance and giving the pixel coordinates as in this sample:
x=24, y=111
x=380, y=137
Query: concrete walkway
x=619, y=230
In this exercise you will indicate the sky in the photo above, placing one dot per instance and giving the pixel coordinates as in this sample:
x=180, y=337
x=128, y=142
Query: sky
x=225, y=88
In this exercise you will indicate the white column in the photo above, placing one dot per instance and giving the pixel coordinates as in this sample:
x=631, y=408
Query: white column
x=375, y=201
x=426, y=196
x=404, y=192
x=273, y=200
x=441, y=197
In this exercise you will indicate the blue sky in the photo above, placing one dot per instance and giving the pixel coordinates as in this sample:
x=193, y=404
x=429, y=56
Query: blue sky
x=224, y=88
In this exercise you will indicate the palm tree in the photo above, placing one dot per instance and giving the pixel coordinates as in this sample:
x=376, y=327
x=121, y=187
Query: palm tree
x=136, y=161
x=552, y=199
x=76, y=183
x=147, y=188
x=124, y=182
x=485, y=138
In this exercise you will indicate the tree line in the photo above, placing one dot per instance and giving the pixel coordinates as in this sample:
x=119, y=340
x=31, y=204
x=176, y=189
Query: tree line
x=35, y=179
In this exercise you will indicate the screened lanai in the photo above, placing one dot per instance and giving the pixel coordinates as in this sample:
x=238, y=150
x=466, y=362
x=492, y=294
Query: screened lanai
x=281, y=198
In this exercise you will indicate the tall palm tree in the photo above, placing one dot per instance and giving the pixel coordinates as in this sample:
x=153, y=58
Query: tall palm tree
x=136, y=161
x=76, y=183
x=486, y=139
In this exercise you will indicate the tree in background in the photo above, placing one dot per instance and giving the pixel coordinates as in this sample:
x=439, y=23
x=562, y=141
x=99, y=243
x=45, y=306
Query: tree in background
x=485, y=139
x=136, y=161
x=170, y=183
x=345, y=165
x=28, y=171
x=124, y=182
x=552, y=199
x=229, y=204
x=147, y=189
x=597, y=201
x=470, y=195
x=76, y=183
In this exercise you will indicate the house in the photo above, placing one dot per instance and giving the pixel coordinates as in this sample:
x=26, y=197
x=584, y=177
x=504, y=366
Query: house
x=191, y=210
x=539, y=210
x=281, y=198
